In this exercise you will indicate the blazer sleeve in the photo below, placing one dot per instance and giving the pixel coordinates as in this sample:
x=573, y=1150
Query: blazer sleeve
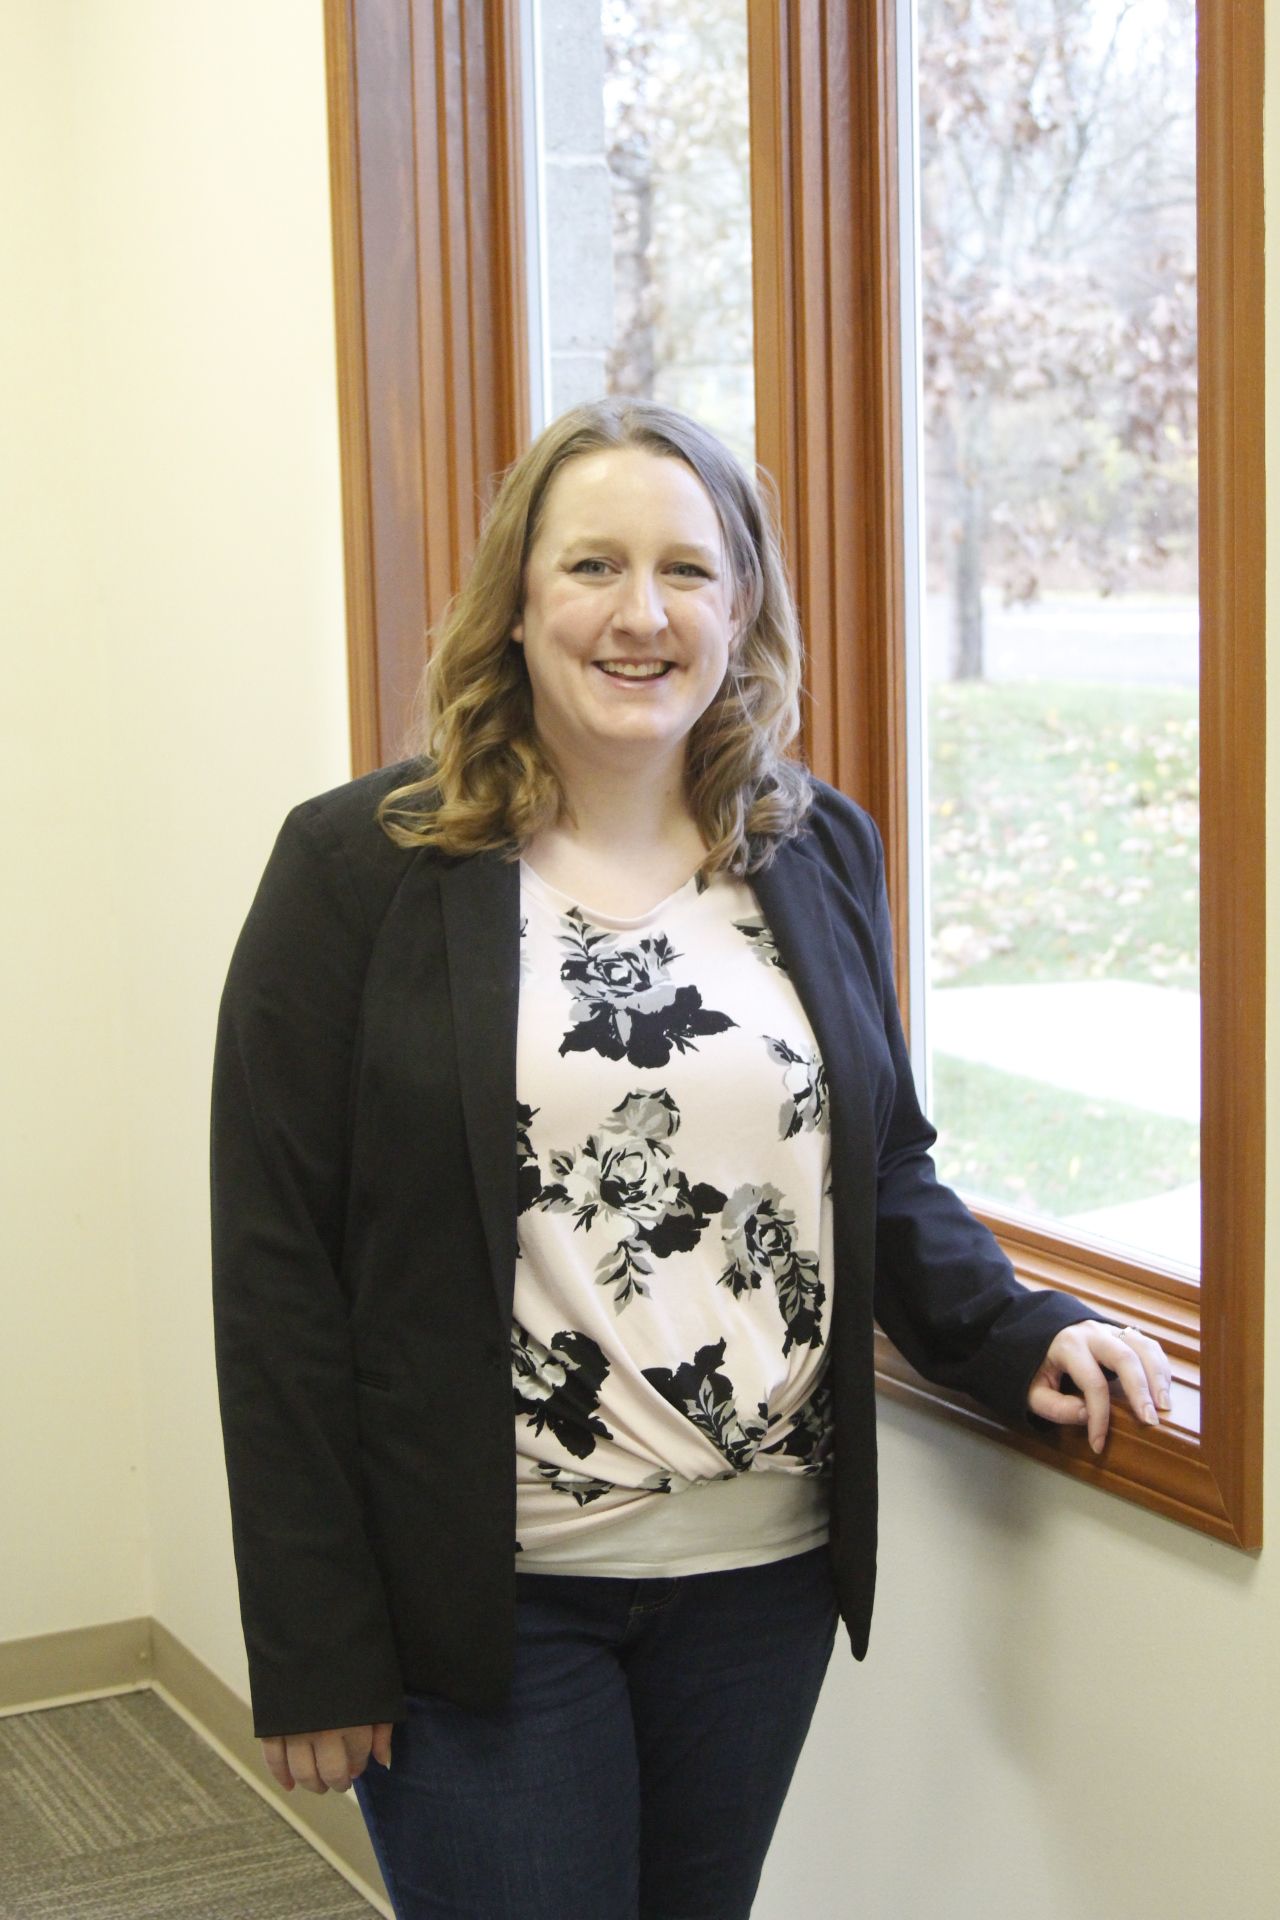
x=316, y=1625
x=945, y=1293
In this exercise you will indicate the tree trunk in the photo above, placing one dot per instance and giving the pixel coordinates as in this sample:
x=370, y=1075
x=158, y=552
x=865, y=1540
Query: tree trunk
x=632, y=362
x=966, y=575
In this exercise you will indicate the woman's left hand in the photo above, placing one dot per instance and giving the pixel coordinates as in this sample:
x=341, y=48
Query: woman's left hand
x=1083, y=1350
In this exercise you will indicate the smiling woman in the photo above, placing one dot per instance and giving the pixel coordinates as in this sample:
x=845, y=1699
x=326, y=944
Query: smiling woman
x=566, y=1148
x=626, y=609
x=625, y=647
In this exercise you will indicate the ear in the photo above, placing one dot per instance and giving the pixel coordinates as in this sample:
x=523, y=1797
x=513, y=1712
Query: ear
x=517, y=633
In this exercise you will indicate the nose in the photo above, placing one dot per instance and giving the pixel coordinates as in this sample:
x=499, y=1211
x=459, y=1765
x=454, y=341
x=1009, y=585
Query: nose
x=639, y=608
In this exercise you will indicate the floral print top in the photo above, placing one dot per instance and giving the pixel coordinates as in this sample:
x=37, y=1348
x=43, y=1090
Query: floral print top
x=673, y=1282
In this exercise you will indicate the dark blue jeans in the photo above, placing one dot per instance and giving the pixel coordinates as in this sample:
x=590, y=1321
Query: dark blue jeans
x=640, y=1767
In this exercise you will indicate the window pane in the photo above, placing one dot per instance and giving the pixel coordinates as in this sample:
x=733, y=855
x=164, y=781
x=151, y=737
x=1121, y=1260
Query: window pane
x=1060, y=619
x=645, y=215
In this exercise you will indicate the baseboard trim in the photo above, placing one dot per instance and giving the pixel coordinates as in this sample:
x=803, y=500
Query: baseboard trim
x=55, y=1669
x=121, y=1656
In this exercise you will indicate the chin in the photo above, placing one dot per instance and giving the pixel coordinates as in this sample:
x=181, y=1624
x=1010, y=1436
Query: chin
x=654, y=739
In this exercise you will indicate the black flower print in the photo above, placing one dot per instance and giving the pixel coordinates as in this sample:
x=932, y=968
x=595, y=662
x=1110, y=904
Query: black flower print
x=558, y=1387
x=704, y=1395
x=800, y=1296
x=812, y=1437
x=804, y=1079
x=625, y=1179
x=759, y=1238
x=760, y=934
x=528, y=1172
x=580, y=1487
x=526, y=964
x=624, y=1004
x=756, y=1229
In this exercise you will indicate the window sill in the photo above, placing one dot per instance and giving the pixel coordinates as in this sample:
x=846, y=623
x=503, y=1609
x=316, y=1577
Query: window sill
x=1170, y=1470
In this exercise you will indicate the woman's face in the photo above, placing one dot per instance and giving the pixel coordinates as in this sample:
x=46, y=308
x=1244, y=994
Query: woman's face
x=627, y=622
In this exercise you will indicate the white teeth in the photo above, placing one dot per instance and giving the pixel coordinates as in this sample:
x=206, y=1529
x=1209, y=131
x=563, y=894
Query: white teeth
x=649, y=670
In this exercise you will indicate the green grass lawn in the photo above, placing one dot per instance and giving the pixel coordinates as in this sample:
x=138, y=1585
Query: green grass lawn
x=1064, y=828
x=1064, y=846
x=1028, y=1146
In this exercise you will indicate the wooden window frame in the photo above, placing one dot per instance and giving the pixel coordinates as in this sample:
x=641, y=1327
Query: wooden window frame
x=434, y=402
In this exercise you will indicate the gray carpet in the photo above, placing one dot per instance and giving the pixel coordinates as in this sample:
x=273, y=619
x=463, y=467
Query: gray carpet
x=115, y=1810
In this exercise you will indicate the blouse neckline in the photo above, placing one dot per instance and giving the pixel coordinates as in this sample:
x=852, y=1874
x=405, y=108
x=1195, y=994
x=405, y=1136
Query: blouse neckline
x=554, y=897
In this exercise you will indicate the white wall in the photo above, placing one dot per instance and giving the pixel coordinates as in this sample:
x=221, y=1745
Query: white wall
x=206, y=306
x=1070, y=1706
x=73, y=1508
x=173, y=617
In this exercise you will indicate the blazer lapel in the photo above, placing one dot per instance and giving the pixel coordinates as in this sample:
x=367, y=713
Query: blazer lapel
x=480, y=899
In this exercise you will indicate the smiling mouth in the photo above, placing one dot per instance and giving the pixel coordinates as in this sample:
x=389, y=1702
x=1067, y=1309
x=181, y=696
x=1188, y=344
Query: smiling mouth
x=634, y=669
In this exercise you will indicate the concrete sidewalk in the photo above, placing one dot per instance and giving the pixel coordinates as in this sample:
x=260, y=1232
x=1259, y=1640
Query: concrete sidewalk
x=1111, y=1040
x=1128, y=640
x=1166, y=1226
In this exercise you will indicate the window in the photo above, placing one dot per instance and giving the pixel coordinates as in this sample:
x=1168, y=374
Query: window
x=1057, y=648
x=640, y=229
x=444, y=338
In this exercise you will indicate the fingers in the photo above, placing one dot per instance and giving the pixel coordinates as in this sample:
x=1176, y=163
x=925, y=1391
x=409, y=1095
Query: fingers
x=1092, y=1382
x=1083, y=1351
x=357, y=1741
x=1070, y=1353
x=305, y=1751
x=277, y=1765
x=1141, y=1368
x=1155, y=1364
x=320, y=1761
x=332, y=1759
x=1064, y=1409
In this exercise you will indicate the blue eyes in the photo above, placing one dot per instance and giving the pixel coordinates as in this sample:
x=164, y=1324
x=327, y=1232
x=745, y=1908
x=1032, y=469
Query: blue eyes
x=680, y=566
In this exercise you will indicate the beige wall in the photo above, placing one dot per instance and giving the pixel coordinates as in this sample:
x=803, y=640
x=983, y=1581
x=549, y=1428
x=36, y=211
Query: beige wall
x=73, y=1503
x=1069, y=1706
x=171, y=603
x=206, y=313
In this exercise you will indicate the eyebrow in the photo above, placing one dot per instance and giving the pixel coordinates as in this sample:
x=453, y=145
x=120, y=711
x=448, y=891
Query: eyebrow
x=605, y=540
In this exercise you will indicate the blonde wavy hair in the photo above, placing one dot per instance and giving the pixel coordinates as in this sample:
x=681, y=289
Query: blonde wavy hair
x=487, y=783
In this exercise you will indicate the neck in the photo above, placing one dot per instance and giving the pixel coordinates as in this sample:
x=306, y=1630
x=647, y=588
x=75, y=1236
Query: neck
x=626, y=810
x=630, y=841
x=624, y=815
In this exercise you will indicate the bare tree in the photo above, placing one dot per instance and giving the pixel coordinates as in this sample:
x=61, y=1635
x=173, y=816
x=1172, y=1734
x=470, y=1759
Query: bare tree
x=1058, y=257
x=678, y=151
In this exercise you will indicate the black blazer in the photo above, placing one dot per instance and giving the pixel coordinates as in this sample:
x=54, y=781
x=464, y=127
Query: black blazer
x=364, y=1236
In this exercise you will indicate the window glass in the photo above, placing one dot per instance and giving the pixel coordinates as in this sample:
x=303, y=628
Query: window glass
x=1059, y=616
x=643, y=208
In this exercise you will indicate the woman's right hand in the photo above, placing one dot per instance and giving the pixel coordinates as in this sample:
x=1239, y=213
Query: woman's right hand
x=334, y=1758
